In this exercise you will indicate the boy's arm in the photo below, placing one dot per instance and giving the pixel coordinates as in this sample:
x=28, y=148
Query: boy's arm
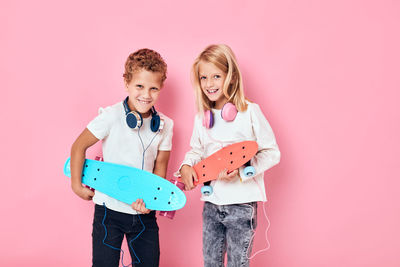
x=161, y=163
x=78, y=153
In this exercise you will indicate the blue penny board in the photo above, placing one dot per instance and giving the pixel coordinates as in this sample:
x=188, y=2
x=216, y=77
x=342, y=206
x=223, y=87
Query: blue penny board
x=127, y=184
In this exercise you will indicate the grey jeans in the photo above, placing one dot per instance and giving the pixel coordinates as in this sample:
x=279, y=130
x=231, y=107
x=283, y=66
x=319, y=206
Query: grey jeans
x=228, y=229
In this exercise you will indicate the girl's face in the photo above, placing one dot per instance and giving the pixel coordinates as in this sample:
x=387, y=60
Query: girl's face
x=144, y=90
x=211, y=82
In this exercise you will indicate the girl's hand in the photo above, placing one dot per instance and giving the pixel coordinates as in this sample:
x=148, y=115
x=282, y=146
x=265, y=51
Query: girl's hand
x=139, y=206
x=227, y=176
x=188, y=176
x=83, y=192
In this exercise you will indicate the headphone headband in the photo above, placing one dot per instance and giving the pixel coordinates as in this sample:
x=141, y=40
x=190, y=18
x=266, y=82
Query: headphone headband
x=126, y=107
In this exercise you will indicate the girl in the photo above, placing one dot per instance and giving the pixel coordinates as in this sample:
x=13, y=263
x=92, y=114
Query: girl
x=225, y=117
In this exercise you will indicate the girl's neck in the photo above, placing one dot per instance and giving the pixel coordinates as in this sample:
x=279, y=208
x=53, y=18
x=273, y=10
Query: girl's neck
x=220, y=103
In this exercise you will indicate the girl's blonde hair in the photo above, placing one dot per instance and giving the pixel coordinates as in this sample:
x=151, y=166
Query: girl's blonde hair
x=223, y=58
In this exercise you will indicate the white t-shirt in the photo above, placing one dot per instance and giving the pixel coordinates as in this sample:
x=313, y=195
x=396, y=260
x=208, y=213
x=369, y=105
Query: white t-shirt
x=250, y=125
x=123, y=145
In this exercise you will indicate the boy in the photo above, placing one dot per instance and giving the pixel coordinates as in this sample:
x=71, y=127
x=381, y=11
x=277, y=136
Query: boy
x=133, y=134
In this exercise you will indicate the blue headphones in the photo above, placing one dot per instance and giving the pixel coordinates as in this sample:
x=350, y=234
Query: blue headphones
x=135, y=120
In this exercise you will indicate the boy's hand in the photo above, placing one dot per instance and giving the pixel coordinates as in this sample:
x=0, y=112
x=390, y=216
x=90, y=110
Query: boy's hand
x=227, y=176
x=139, y=206
x=83, y=192
x=188, y=176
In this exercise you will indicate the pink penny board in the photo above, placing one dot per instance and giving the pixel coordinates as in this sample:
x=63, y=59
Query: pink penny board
x=230, y=157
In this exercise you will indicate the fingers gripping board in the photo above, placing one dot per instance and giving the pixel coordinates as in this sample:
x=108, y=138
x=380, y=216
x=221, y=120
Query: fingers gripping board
x=127, y=184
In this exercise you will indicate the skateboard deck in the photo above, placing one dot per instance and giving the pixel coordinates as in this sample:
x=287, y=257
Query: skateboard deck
x=230, y=157
x=127, y=184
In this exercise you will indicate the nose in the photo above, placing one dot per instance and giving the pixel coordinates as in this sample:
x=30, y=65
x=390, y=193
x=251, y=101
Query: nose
x=209, y=83
x=146, y=93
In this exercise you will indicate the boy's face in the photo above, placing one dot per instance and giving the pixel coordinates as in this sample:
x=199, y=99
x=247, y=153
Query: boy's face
x=212, y=81
x=143, y=91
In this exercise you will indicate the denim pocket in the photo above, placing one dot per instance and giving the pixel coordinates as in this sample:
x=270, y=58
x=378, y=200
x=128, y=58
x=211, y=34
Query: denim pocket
x=251, y=209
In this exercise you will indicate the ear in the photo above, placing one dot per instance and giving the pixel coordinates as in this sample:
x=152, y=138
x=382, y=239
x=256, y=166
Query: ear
x=126, y=85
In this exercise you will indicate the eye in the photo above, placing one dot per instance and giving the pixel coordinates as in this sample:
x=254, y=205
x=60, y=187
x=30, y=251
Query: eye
x=217, y=76
x=202, y=77
x=139, y=86
x=154, y=89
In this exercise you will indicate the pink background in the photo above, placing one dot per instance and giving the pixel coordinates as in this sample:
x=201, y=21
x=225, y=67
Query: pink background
x=325, y=73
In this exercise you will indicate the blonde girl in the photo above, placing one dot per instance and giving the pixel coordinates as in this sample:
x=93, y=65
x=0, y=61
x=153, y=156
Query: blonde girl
x=225, y=117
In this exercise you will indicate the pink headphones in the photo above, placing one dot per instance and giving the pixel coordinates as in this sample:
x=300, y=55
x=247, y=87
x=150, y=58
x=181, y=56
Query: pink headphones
x=228, y=113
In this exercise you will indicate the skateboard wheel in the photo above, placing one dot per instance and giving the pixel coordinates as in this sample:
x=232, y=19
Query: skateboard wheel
x=249, y=171
x=206, y=190
x=88, y=187
x=168, y=214
x=98, y=158
x=180, y=185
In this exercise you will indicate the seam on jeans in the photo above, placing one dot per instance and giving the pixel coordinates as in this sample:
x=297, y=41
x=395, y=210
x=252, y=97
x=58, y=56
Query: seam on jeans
x=221, y=252
x=244, y=257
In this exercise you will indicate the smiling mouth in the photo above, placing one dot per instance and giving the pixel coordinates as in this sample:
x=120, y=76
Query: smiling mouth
x=212, y=91
x=144, y=101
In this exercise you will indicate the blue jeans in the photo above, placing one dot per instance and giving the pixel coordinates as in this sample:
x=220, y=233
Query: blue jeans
x=145, y=246
x=228, y=229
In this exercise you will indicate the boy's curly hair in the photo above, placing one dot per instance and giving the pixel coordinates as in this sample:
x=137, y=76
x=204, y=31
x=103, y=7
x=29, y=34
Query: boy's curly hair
x=146, y=59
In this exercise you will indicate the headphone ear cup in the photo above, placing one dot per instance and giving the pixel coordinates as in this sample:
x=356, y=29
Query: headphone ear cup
x=134, y=120
x=208, y=119
x=155, y=123
x=229, y=112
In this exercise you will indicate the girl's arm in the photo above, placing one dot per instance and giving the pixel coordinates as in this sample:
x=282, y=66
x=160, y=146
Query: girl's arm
x=268, y=154
x=78, y=153
x=193, y=156
x=188, y=176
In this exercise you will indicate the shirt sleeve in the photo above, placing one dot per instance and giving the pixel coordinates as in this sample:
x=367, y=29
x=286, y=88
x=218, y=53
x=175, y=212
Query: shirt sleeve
x=100, y=126
x=196, y=152
x=268, y=154
x=167, y=133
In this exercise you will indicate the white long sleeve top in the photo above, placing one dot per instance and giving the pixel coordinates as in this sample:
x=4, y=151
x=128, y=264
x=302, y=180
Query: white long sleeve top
x=250, y=125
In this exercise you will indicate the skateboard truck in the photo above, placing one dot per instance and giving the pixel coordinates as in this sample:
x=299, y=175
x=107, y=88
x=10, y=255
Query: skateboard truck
x=245, y=172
